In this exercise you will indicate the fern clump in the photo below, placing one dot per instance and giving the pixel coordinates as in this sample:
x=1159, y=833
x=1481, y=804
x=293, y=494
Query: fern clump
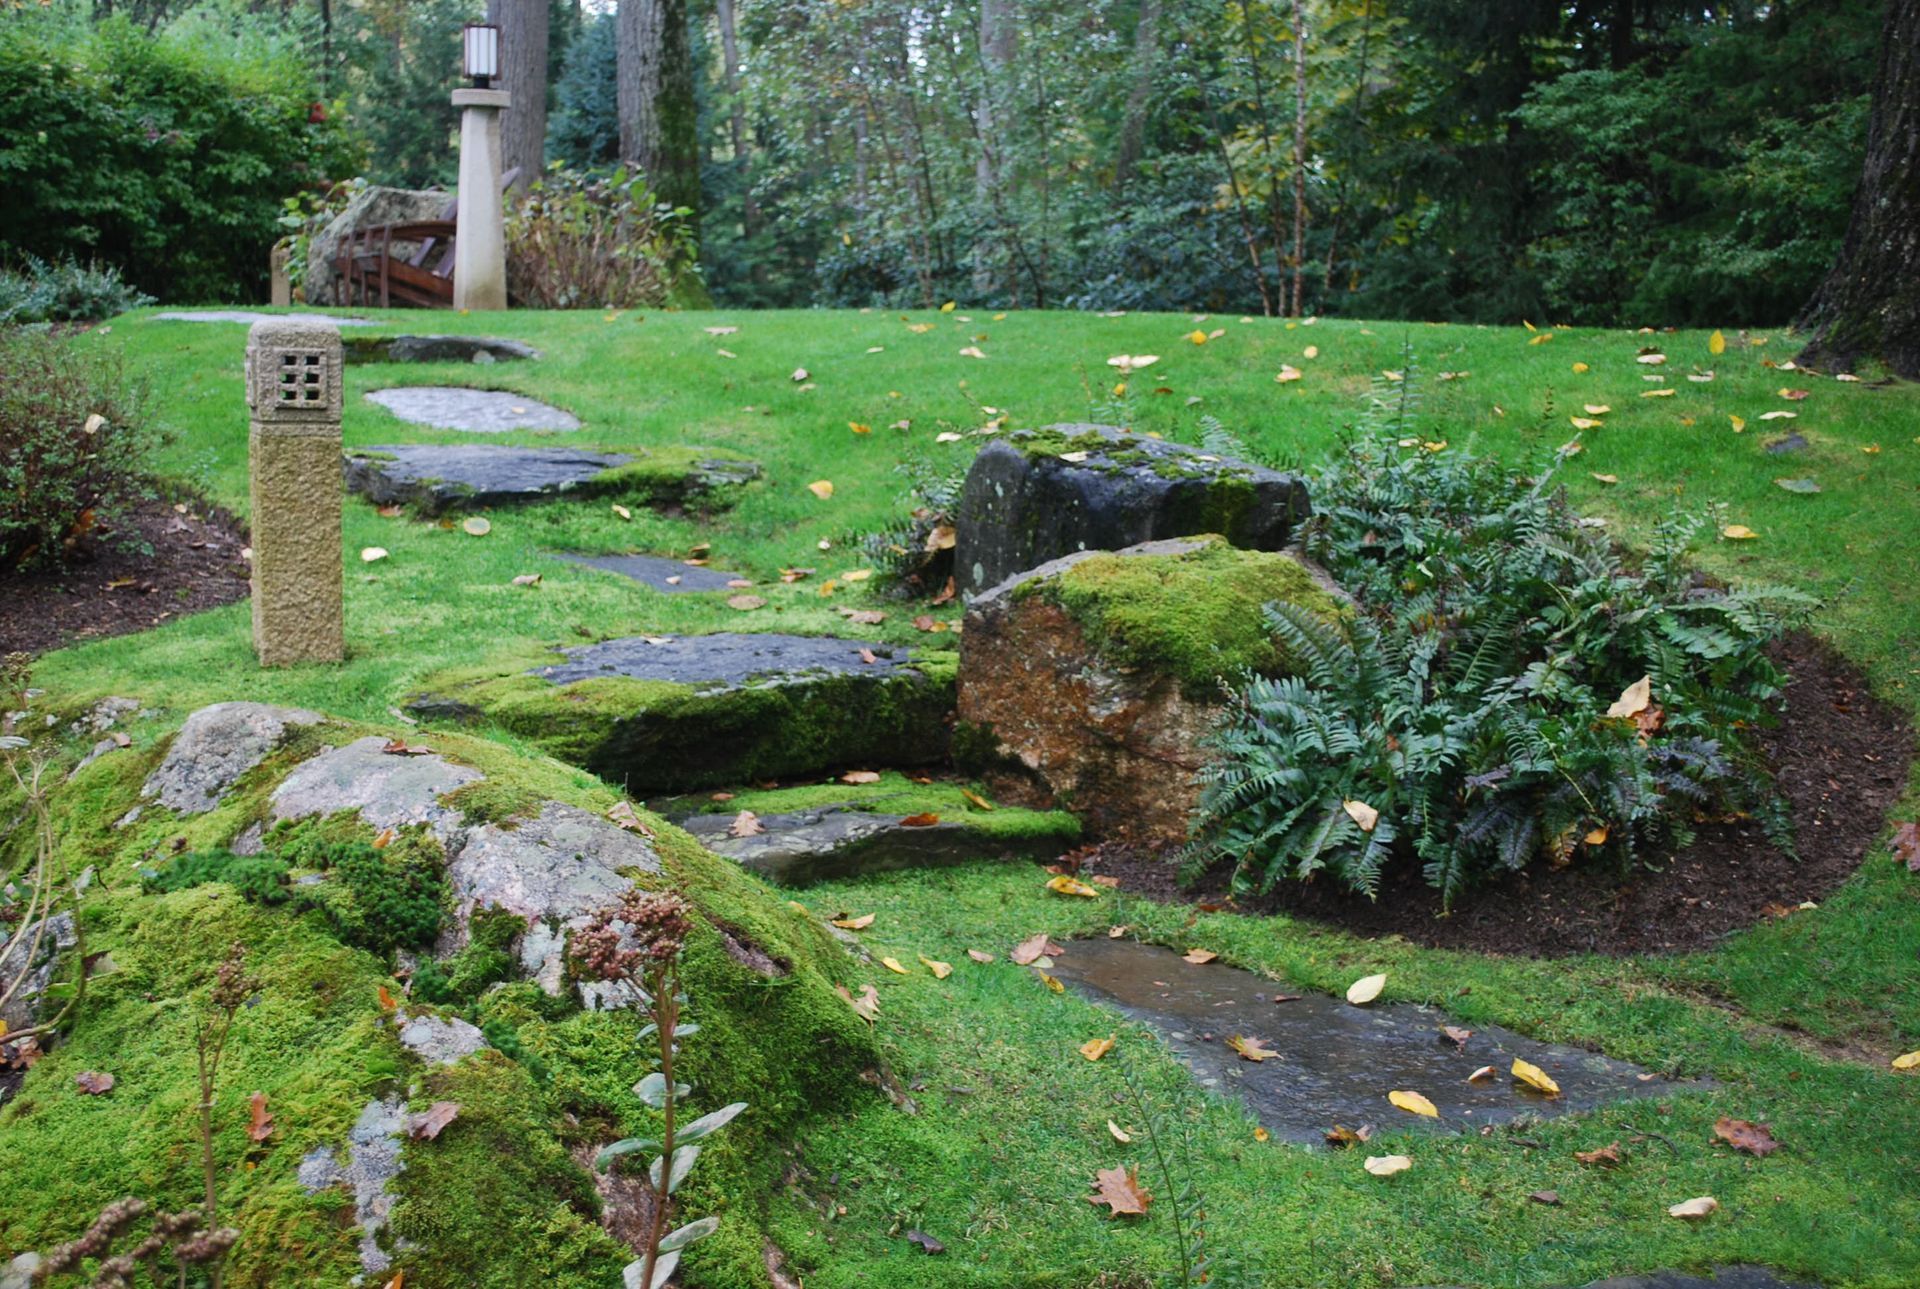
x=915, y=555
x=1461, y=716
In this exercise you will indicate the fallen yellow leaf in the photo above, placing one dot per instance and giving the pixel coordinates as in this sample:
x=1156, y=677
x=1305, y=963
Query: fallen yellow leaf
x=1361, y=813
x=1739, y=423
x=1261, y=1134
x=1366, y=989
x=1695, y=1209
x=1095, y=1048
x=1716, y=343
x=1065, y=885
x=1197, y=336
x=1118, y=1133
x=1607, y=478
x=1633, y=699
x=1535, y=1077
x=1911, y=1061
x=1584, y=423
x=893, y=965
x=860, y=923
x=940, y=970
x=1738, y=533
x=1414, y=1103
x=1580, y=368
x=821, y=488
x=1387, y=1165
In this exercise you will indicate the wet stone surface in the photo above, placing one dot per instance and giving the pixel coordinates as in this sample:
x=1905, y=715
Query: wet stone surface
x=477, y=411
x=654, y=571
x=812, y=845
x=251, y=316
x=437, y=349
x=727, y=660
x=1335, y=1063
x=1786, y=443
x=433, y=477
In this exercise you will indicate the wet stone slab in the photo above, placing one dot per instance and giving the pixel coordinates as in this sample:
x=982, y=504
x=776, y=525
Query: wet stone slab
x=728, y=660
x=1335, y=1063
x=834, y=841
x=435, y=477
x=251, y=316
x=655, y=571
x=437, y=349
x=476, y=411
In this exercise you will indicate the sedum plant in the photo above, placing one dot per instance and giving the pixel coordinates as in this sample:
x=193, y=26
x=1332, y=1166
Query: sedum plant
x=633, y=948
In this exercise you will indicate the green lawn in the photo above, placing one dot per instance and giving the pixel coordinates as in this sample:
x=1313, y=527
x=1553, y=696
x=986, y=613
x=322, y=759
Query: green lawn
x=999, y=1173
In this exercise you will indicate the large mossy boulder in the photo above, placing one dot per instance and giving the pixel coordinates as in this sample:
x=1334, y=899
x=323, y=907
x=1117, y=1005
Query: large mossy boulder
x=368, y=208
x=1036, y=495
x=433, y=478
x=406, y=906
x=673, y=714
x=1091, y=682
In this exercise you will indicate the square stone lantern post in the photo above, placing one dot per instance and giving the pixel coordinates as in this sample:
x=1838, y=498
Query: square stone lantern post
x=293, y=394
x=480, y=234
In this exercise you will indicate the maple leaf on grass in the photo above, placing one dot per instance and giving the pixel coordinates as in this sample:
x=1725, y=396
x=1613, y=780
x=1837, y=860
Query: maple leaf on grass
x=260, y=1123
x=429, y=1123
x=1120, y=1190
x=1906, y=844
x=1743, y=1134
x=1607, y=1156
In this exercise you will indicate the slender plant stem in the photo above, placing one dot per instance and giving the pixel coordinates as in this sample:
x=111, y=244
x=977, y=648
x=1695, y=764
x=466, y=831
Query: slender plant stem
x=666, y=1017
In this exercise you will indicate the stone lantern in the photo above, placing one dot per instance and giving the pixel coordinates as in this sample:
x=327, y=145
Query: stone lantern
x=480, y=238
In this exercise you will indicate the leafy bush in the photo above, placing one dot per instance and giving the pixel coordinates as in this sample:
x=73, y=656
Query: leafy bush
x=64, y=291
x=1475, y=712
x=582, y=239
x=167, y=154
x=73, y=435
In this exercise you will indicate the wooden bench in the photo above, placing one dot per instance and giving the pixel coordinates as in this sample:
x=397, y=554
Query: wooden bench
x=371, y=273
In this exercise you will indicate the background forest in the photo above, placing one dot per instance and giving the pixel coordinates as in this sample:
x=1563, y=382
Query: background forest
x=1638, y=162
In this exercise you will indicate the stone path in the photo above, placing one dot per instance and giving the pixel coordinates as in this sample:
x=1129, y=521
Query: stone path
x=251, y=316
x=436, y=349
x=434, y=477
x=1335, y=1063
x=654, y=571
x=475, y=411
x=837, y=841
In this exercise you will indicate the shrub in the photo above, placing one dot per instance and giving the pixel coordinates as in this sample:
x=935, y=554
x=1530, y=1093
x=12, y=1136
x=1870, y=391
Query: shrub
x=1462, y=715
x=260, y=879
x=73, y=437
x=64, y=291
x=380, y=900
x=582, y=239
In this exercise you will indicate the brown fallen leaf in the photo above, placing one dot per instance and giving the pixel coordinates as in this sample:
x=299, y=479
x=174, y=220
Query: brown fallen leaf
x=623, y=815
x=979, y=955
x=1743, y=1134
x=1119, y=1189
x=1340, y=1135
x=867, y=1004
x=1549, y=1198
x=1906, y=844
x=1199, y=957
x=945, y=595
x=400, y=747
x=93, y=1082
x=1607, y=1156
x=977, y=801
x=745, y=603
x=927, y=820
x=926, y=1242
x=1029, y=949
x=1251, y=1049
x=851, y=923
x=1456, y=1035
x=385, y=839
x=1288, y=998
x=746, y=824
x=429, y=1123
x=1095, y=1048
x=864, y=617
x=386, y=1000
x=260, y=1122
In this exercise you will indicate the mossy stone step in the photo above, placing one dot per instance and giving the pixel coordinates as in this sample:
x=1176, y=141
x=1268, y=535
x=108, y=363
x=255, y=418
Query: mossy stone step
x=435, y=477
x=805, y=846
x=436, y=349
x=674, y=714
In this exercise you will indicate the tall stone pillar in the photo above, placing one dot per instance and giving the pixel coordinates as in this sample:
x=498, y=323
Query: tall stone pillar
x=293, y=393
x=480, y=239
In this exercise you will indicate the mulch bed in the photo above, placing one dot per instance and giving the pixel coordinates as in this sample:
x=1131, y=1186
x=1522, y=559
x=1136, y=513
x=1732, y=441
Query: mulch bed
x=1839, y=755
x=195, y=564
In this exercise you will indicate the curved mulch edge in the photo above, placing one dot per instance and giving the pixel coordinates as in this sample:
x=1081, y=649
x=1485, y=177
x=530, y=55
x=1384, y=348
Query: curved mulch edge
x=1839, y=755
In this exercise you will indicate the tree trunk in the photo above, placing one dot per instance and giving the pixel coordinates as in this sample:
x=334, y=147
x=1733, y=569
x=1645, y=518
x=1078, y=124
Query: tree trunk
x=1299, y=153
x=1869, y=306
x=999, y=40
x=653, y=91
x=523, y=66
x=1133, y=124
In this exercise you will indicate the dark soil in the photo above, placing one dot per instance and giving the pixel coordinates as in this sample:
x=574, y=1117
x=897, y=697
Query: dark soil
x=1839, y=756
x=194, y=564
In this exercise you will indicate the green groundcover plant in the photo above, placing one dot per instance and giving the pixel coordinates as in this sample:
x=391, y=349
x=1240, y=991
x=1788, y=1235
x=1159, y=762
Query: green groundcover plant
x=1511, y=686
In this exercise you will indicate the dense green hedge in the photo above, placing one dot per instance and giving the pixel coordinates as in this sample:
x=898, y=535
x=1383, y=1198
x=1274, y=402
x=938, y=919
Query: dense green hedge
x=166, y=155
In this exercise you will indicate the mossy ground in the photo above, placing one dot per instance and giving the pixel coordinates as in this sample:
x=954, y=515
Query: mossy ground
x=1196, y=614
x=496, y=1199
x=894, y=794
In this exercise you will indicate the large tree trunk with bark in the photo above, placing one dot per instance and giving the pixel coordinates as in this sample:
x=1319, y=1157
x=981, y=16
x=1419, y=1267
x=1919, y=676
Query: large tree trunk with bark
x=1133, y=123
x=523, y=59
x=653, y=91
x=1869, y=306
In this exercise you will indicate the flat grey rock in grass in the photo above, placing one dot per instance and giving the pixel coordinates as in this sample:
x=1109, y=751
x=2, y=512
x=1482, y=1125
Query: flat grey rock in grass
x=672, y=714
x=437, y=349
x=215, y=747
x=1786, y=443
x=1036, y=495
x=251, y=316
x=433, y=477
x=653, y=571
x=440, y=1040
x=476, y=411
x=552, y=870
x=1333, y=1062
x=834, y=841
x=388, y=790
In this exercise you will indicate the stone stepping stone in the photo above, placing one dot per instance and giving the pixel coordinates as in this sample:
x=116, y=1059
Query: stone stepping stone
x=658, y=714
x=436, y=477
x=436, y=349
x=836, y=841
x=653, y=571
x=474, y=411
x=251, y=316
x=1036, y=495
x=1785, y=444
x=1335, y=1063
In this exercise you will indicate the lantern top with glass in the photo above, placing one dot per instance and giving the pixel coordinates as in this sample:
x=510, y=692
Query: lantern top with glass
x=480, y=53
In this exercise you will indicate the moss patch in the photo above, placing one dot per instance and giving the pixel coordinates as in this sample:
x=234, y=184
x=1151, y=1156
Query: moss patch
x=1197, y=615
x=894, y=794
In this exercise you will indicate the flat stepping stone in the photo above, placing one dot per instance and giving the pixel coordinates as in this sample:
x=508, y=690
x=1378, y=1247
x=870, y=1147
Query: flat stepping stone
x=1785, y=444
x=437, y=349
x=1334, y=1062
x=658, y=714
x=835, y=841
x=475, y=411
x=654, y=570
x=251, y=316
x=436, y=477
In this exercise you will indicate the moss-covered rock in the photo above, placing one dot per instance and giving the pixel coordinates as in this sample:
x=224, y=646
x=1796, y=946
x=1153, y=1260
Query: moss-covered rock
x=1092, y=681
x=431, y=478
x=498, y=1197
x=676, y=715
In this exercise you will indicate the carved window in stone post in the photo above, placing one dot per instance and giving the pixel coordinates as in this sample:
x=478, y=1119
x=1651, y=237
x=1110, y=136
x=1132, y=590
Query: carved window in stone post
x=302, y=379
